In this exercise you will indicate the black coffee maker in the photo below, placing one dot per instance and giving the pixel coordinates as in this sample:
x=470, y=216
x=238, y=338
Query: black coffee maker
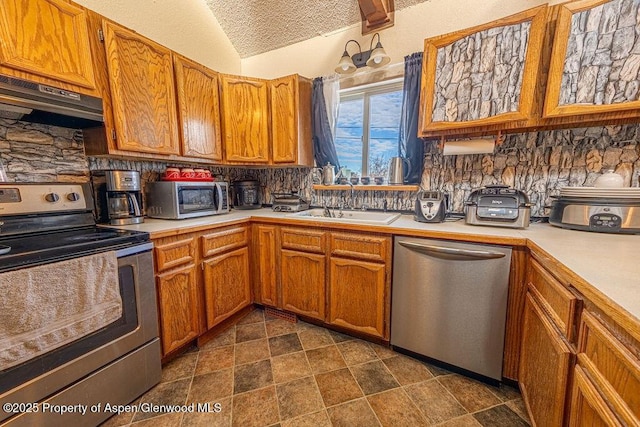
x=121, y=197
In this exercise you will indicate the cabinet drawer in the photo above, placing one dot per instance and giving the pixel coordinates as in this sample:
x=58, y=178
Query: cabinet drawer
x=362, y=246
x=223, y=240
x=303, y=240
x=559, y=302
x=174, y=251
x=612, y=366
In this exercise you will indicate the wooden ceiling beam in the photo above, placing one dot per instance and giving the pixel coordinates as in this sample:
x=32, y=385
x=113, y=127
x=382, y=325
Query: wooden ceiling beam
x=376, y=15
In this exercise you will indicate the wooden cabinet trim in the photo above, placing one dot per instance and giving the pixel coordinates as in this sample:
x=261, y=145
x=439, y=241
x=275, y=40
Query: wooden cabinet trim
x=163, y=253
x=224, y=240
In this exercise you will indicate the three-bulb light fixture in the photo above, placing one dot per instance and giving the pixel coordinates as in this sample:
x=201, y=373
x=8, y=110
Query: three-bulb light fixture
x=374, y=57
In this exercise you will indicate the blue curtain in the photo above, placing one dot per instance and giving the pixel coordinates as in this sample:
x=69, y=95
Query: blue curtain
x=323, y=145
x=410, y=146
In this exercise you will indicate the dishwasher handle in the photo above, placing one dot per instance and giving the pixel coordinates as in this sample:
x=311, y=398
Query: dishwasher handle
x=451, y=253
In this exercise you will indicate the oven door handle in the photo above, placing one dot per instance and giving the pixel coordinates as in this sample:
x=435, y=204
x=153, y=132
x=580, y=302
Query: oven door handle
x=132, y=250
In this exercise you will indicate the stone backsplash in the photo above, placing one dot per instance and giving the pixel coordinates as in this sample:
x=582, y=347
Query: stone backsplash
x=602, y=65
x=538, y=163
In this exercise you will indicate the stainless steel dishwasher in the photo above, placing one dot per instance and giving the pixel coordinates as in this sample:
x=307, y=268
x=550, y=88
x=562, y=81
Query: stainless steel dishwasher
x=449, y=302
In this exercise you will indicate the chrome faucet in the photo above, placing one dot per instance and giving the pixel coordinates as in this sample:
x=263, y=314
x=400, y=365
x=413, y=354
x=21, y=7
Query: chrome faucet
x=384, y=206
x=327, y=213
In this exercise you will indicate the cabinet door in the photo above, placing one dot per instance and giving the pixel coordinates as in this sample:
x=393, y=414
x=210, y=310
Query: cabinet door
x=284, y=124
x=48, y=38
x=179, y=303
x=481, y=76
x=357, y=296
x=266, y=283
x=544, y=367
x=303, y=283
x=199, y=109
x=245, y=119
x=142, y=91
x=588, y=408
x=226, y=285
x=594, y=66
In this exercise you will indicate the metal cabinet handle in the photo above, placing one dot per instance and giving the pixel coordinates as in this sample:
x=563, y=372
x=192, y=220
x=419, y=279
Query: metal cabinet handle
x=451, y=253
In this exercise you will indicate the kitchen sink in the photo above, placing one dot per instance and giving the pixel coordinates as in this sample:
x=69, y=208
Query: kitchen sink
x=348, y=216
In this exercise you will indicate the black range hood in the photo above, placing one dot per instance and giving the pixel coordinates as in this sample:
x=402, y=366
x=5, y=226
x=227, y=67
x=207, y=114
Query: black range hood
x=33, y=102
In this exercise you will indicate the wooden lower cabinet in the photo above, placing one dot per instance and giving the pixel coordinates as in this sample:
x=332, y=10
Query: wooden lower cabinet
x=545, y=361
x=227, y=285
x=588, y=408
x=178, y=300
x=357, y=296
x=265, y=262
x=303, y=283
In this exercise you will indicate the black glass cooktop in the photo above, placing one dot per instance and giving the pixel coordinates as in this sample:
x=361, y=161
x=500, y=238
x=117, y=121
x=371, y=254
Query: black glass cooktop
x=39, y=248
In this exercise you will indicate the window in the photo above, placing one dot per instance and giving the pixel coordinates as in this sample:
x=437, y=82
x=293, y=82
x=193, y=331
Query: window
x=368, y=127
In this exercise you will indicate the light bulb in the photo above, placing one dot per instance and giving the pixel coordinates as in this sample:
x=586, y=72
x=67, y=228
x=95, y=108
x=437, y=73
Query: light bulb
x=377, y=59
x=345, y=67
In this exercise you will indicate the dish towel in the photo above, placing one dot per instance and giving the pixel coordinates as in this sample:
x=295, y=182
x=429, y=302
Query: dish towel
x=45, y=307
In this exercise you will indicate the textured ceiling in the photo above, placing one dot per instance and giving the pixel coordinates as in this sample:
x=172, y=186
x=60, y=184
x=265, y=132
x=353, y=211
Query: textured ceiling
x=258, y=26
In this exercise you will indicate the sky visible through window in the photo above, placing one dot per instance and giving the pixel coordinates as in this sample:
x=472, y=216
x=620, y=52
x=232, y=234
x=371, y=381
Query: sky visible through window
x=384, y=127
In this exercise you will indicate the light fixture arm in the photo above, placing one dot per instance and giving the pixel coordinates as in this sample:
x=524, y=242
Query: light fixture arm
x=374, y=57
x=372, y=38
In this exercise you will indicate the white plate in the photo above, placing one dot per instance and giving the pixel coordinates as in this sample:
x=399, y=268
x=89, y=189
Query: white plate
x=627, y=192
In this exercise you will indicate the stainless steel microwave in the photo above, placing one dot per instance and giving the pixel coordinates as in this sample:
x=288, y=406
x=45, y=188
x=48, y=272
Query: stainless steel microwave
x=181, y=199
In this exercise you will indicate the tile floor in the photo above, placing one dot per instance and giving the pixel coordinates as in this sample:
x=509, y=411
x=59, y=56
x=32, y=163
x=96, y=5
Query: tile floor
x=266, y=371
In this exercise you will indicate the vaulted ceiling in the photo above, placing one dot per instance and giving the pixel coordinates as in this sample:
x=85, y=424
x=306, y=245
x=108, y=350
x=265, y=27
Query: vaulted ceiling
x=258, y=26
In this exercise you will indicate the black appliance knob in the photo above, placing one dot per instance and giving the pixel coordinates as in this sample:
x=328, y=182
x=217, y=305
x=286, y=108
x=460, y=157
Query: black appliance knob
x=73, y=197
x=52, y=197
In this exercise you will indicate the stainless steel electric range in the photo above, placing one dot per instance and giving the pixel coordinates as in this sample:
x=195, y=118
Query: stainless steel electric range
x=44, y=227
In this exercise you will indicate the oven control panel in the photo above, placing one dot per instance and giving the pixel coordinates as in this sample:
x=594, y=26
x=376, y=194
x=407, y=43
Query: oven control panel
x=20, y=199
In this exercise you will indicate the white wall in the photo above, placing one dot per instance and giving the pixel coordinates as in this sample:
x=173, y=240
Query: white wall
x=320, y=55
x=187, y=27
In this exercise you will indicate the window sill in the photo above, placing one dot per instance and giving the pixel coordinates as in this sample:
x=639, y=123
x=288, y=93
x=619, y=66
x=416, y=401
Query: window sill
x=371, y=187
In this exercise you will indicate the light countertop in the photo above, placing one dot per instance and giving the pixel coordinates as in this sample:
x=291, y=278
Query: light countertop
x=607, y=262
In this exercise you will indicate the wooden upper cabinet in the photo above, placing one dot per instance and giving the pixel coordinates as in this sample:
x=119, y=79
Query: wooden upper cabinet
x=482, y=76
x=142, y=92
x=199, y=109
x=47, y=38
x=595, y=61
x=290, y=105
x=245, y=119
